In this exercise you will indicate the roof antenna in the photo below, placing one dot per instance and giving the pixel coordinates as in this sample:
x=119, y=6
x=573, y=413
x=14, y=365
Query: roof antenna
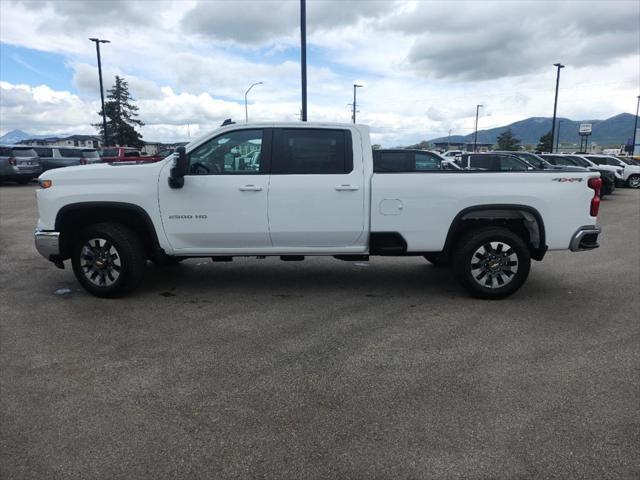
x=227, y=122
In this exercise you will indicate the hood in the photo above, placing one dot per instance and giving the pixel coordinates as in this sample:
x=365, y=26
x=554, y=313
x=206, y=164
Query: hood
x=104, y=172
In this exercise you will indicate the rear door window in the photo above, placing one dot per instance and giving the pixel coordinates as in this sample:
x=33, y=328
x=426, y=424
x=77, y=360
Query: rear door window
x=70, y=153
x=391, y=162
x=484, y=162
x=44, y=152
x=131, y=153
x=510, y=163
x=312, y=151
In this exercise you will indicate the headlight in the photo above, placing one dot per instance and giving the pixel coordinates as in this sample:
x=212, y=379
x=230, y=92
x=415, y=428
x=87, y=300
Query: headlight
x=45, y=183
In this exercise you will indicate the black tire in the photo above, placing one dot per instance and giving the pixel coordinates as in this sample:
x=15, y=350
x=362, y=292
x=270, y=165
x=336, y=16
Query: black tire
x=23, y=181
x=437, y=260
x=633, y=181
x=108, y=260
x=484, y=262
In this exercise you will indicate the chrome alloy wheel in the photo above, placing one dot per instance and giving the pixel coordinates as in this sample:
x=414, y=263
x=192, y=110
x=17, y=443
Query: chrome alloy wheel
x=494, y=264
x=100, y=262
x=634, y=181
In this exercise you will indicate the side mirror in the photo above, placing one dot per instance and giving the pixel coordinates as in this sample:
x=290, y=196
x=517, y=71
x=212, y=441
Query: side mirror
x=179, y=169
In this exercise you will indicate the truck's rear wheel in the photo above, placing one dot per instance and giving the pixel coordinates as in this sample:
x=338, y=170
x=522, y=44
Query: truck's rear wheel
x=492, y=262
x=108, y=260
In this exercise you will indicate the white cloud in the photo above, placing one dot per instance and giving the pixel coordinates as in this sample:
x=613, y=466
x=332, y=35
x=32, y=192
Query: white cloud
x=425, y=64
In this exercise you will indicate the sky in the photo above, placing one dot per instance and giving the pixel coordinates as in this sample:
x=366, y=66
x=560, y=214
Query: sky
x=424, y=65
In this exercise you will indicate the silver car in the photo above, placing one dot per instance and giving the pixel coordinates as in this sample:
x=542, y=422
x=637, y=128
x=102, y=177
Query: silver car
x=19, y=163
x=57, y=157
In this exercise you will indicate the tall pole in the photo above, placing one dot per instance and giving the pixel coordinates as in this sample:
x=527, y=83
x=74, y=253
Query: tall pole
x=303, y=56
x=475, y=135
x=353, y=117
x=555, y=104
x=635, y=129
x=558, y=139
x=104, y=116
x=246, y=109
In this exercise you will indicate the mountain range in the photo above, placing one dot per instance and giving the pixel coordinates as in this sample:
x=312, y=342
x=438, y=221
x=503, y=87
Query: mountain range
x=617, y=130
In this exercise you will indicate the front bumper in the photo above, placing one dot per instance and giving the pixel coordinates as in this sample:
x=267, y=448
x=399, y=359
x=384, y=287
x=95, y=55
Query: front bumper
x=48, y=244
x=585, y=238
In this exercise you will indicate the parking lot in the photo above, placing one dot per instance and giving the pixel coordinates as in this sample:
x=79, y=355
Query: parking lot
x=321, y=368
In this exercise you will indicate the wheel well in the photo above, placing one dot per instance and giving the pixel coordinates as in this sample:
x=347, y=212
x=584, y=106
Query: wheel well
x=523, y=221
x=73, y=218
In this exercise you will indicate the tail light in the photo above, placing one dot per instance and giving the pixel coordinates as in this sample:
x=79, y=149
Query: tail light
x=12, y=161
x=595, y=184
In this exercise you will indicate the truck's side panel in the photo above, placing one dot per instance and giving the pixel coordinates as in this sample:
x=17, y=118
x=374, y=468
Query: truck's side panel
x=421, y=206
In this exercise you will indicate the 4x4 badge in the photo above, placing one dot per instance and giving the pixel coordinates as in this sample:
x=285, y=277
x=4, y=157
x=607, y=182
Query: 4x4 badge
x=566, y=179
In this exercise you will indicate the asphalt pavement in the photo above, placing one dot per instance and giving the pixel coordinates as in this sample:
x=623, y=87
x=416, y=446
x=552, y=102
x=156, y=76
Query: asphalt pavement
x=322, y=368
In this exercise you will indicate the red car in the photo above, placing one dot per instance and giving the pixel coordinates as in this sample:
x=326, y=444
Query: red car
x=125, y=154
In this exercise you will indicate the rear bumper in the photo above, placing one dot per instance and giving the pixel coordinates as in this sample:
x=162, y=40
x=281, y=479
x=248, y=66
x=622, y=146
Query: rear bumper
x=48, y=244
x=585, y=238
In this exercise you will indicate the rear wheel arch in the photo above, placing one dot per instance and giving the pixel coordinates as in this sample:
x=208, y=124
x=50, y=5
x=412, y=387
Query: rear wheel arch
x=523, y=220
x=73, y=218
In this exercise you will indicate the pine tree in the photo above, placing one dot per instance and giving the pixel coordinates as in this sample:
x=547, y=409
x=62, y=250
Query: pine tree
x=546, y=143
x=508, y=141
x=121, y=116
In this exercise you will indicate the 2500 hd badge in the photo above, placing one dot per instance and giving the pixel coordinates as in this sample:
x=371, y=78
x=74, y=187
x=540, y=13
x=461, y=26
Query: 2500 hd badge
x=187, y=217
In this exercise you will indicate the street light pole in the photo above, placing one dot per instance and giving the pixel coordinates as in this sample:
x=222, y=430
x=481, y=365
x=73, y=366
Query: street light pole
x=104, y=116
x=353, y=117
x=635, y=129
x=303, y=56
x=246, y=109
x=475, y=135
x=558, y=139
x=555, y=104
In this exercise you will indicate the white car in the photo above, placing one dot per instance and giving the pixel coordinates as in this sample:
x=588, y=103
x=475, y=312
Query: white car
x=315, y=192
x=630, y=173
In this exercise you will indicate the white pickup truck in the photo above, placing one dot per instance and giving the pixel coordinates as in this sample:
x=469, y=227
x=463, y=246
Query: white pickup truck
x=300, y=189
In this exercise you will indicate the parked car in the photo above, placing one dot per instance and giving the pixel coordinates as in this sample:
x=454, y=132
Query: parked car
x=630, y=172
x=493, y=162
x=533, y=159
x=126, y=154
x=19, y=163
x=315, y=193
x=409, y=160
x=607, y=175
x=58, y=157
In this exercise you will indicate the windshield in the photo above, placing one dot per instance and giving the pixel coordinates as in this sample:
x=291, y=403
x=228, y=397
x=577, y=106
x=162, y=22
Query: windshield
x=24, y=152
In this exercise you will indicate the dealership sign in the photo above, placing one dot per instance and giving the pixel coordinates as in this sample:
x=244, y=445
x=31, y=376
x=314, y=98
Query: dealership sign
x=585, y=129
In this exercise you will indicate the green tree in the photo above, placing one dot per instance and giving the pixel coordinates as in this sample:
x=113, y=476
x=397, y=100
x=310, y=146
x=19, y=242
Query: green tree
x=508, y=141
x=545, y=143
x=376, y=146
x=121, y=116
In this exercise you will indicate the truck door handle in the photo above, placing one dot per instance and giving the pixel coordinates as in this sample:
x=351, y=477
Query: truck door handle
x=250, y=188
x=347, y=188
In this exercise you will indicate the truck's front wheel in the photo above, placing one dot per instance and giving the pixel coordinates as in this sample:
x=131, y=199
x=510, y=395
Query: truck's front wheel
x=492, y=262
x=108, y=260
